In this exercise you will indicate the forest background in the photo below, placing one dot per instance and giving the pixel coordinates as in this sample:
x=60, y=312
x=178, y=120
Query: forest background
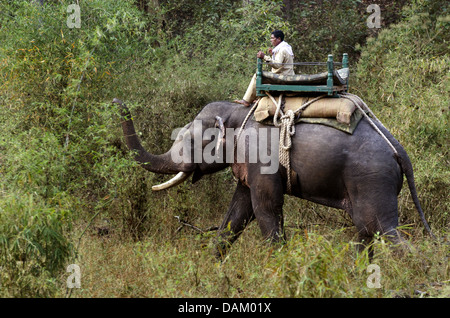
x=70, y=192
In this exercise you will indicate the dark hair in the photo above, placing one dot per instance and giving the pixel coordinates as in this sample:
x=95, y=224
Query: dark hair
x=278, y=34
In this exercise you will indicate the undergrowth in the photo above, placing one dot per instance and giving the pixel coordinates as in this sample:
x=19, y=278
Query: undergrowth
x=318, y=262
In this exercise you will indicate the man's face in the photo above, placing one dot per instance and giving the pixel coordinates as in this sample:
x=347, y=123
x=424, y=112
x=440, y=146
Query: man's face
x=274, y=41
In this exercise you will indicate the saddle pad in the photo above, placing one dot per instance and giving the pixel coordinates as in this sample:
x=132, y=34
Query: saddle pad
x=328, y=107
x=339, y=78
x=330, y=122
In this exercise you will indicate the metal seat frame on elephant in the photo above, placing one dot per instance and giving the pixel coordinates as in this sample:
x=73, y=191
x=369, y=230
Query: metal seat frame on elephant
x=331, y=82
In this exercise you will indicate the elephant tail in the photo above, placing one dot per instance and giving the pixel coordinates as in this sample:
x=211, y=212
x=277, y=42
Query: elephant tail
x=406, y=166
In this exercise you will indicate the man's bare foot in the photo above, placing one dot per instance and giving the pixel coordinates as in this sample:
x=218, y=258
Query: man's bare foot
x=243, y=102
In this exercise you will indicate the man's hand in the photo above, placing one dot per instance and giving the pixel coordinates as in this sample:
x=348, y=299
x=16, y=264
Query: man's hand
x=270, y=51
x=260, y=55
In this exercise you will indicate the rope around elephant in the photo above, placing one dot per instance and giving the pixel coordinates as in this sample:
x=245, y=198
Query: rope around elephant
x=358, y=102
x=287, y=127
x=286, y=123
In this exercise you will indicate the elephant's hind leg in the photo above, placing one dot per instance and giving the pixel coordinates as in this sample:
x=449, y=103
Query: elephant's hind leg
x=239, y=215
x=374, y=212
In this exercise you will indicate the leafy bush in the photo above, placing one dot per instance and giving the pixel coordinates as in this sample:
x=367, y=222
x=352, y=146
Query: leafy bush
x=326, y=27
x=54, y=134
x=34, y=245
x=54, y=70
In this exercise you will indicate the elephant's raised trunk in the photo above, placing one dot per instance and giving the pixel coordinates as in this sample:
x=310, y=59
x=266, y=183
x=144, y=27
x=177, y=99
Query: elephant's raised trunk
x=155, y=163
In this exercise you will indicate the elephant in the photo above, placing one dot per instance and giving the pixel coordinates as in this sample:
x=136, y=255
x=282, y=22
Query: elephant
x=358, y=172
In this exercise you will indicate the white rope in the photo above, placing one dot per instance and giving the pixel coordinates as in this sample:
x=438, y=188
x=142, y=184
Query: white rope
x=287, y=130
x=358, y=102
x=252, y=110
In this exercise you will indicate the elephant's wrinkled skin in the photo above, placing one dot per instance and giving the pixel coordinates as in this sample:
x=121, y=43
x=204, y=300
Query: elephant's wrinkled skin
x=358, y=173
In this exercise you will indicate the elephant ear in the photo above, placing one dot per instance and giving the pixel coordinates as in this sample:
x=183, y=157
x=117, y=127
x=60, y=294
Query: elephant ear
x=198, y=174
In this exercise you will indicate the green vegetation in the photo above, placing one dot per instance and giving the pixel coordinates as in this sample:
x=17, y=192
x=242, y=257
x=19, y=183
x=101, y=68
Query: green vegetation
x=70, y=192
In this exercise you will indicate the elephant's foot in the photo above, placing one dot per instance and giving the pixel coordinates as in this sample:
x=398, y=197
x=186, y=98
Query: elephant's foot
x=365, y=242
x=399, y=246
x=220, y=248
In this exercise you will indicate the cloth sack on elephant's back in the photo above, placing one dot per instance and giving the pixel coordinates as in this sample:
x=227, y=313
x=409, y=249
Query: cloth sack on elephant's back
x=339, y=108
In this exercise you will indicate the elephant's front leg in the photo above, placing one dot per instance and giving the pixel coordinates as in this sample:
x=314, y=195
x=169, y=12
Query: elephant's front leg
x=267, y=200
x=240, y=213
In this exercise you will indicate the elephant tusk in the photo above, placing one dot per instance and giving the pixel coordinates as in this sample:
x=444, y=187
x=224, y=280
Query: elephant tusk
x=179, y=178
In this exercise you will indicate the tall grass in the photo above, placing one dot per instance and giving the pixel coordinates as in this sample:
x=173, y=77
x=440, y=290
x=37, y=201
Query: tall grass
x=318, y=262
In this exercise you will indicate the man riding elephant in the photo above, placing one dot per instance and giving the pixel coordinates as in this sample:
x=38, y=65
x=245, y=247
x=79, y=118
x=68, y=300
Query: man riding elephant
x=280, y=57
